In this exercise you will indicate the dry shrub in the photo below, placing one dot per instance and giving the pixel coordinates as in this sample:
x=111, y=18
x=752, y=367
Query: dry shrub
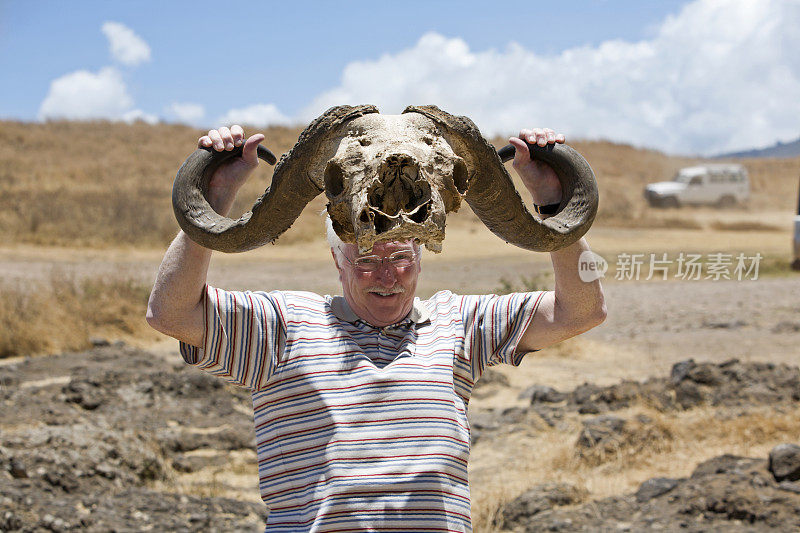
x=645, y=433
x=541, y=281
x=63, y=314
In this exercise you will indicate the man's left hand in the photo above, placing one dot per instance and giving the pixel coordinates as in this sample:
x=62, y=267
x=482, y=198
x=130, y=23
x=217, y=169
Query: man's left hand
x=539, y=178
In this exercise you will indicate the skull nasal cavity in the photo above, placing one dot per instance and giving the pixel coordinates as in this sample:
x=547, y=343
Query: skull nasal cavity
x=397, y=187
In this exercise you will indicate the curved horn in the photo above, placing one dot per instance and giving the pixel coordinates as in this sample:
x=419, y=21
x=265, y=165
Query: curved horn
x=297, y=180
x=495, y=200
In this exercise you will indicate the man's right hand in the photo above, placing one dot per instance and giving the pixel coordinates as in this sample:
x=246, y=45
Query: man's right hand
x=228, y=178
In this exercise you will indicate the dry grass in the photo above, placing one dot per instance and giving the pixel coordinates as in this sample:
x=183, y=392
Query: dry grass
x=237, y=479
x=64, y=314
x=102, y=184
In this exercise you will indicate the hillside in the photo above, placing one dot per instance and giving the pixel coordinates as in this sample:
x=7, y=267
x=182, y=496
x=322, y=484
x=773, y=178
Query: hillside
x=779, y=149
x=97, y=183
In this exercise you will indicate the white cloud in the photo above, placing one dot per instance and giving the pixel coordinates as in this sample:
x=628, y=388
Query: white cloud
x=255, y=115
x=137, y=114
x=125, y=46
x=720, y=75
x=84, y=95
x=186, y=112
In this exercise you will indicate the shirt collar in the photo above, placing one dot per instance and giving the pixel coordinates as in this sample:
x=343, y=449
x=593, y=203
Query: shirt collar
x=339, y=307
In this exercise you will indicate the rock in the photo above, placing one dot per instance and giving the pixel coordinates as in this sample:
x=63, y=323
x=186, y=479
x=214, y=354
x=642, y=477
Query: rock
x=585, y=393
x=786, y=327
x=789, y=486
x=724, y=464
x=688, y=395
x=549, y=416
x=652, y=488
x=474, y=436
x=9, y=521
x=784, y=462
x=680, y=370
x=106, y=470
x=591, y=408
x=691, y=384
x=17, y=469
x=536, y=500
x=483, y=419
x=189, y=463
x=706, y=374
x=492, y=377
x=756, y=394
x=601, y=429
x=513, y=415
x=620, y=395
x=99, y=341
x=84, y=393
x=542, y=393
x=733, y=324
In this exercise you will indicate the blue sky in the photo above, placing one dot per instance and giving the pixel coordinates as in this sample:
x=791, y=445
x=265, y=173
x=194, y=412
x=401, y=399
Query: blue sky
x=690, y=77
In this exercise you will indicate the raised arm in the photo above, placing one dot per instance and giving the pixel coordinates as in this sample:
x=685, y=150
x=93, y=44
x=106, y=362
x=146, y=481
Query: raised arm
x=574, y=306
x=175, y=307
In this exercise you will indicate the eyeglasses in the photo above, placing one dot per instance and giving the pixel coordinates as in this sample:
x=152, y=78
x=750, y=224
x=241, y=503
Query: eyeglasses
x=371, y=263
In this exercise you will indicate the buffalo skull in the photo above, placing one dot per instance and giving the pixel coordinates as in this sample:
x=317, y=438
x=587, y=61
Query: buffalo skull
x=390, y=178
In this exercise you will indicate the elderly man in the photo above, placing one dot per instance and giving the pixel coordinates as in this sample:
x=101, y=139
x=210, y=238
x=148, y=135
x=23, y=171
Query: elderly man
x=360, y=400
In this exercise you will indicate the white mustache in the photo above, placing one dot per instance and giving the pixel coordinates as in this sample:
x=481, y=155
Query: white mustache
x=397, y=289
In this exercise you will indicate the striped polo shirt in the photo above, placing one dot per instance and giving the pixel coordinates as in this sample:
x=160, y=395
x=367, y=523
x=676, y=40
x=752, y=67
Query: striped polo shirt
x=360, y=428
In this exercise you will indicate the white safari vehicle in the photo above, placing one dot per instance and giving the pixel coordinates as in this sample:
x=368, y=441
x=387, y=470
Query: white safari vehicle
x=717, y=184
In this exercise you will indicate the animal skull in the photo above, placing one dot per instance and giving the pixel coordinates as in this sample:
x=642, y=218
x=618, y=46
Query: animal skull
x=393, y=177
x=388, y=178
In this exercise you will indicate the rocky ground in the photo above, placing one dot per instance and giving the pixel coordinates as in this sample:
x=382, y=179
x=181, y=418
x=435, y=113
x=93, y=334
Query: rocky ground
x=83, y=449
x=99, y=444
x=724, y=493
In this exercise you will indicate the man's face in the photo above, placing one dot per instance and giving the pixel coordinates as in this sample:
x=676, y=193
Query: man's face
x=382, y=297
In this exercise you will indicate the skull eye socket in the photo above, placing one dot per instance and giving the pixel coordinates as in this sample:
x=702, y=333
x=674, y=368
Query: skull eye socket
x=334, y=180
x=460, y=176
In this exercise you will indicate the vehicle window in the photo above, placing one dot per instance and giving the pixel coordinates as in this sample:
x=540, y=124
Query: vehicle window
x=697, y=180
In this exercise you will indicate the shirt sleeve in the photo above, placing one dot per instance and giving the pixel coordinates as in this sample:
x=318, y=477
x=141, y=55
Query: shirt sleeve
x=244, y=336
x=493, y=327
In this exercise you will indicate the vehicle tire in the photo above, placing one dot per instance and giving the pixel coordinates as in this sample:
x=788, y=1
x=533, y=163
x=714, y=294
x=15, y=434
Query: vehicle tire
x=726, y=201
x=670, y=201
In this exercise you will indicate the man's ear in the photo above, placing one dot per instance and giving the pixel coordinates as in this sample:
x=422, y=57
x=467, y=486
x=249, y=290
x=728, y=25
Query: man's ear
x=336, y=262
